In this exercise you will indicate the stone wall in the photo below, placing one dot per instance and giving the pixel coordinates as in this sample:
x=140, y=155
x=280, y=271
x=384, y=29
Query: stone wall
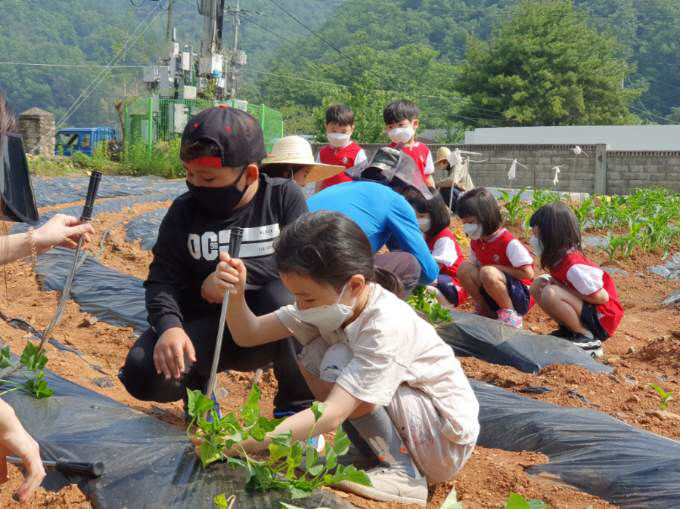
x=38, y=131
x=627, y=171
x=599, y=171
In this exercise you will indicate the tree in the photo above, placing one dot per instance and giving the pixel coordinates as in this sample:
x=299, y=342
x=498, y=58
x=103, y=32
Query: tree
x=545, y=66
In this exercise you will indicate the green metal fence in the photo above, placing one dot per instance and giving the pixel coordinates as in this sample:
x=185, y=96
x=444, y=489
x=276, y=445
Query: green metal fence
x=148, y=120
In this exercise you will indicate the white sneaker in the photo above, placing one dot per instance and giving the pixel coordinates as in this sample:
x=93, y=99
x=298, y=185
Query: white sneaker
x=390, y=485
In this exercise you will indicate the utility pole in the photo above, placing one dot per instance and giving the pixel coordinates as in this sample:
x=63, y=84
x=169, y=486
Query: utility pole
x=168, y=27
x=238, y=58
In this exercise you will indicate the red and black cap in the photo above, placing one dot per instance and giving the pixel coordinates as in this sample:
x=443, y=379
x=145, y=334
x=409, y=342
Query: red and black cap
x=237, y=134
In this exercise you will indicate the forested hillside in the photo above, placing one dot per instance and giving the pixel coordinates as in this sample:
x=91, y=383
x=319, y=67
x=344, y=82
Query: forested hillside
x=306, y=53
x=646, y=32
x=81, y=35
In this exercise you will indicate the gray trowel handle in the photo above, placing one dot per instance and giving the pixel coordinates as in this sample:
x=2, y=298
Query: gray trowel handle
x=235, y=236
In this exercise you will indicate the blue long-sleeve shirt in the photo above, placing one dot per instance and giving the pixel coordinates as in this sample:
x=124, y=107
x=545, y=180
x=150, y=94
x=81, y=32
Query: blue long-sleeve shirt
x=383, y=215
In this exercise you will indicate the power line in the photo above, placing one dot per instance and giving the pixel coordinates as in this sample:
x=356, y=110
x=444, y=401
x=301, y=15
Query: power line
x=132, y=39
x=40, y=64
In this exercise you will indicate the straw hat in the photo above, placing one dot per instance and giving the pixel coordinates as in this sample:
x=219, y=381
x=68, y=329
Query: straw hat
x=443, y=153
x=295, y=150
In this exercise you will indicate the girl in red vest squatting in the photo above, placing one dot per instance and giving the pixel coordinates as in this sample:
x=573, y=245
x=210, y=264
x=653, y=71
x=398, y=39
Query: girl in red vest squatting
x=577, y=293
x=500, y=269
x=434, y=219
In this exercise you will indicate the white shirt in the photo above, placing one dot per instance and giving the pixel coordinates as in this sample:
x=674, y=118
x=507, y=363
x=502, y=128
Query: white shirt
x=392, y=345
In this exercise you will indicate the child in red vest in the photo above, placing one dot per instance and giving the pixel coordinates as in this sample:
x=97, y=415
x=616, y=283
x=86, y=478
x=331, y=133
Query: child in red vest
x=401, y=122
x=341, y=150
x=500, y=269
x=434, y=219
x=577, y=294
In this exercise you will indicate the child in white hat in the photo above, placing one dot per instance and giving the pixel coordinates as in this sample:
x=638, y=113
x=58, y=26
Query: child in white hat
x=291, y=157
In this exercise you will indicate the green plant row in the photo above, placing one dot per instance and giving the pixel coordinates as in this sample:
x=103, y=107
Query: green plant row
x=649, y=218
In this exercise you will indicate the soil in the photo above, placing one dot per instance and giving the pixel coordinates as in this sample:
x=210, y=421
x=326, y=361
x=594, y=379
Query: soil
x=645, y=350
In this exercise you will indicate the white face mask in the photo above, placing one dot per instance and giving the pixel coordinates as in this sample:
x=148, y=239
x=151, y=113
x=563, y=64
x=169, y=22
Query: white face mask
x=401, y=134
x=338, y=140
x=424, y=223
x=473, y=230
x=327, y=318
x=536, y=245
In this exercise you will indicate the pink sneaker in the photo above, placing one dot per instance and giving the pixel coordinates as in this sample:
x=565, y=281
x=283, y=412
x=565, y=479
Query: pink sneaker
x=510, y=317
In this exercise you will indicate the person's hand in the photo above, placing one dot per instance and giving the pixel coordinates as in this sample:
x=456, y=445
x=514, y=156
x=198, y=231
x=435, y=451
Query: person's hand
x=61, y=230
x=229, y=275
x=169, y=353
x=14, y=440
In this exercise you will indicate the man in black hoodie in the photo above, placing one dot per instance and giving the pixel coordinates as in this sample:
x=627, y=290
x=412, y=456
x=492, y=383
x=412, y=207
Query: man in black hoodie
x=221, y=150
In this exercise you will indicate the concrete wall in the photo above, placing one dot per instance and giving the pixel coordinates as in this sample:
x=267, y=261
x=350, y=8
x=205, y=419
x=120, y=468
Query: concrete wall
x=38, y=131
x=601, y=171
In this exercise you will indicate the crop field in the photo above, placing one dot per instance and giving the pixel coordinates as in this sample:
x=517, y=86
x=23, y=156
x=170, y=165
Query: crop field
x=636, y=238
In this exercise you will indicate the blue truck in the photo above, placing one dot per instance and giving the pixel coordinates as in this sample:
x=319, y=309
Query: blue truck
x=83, y=139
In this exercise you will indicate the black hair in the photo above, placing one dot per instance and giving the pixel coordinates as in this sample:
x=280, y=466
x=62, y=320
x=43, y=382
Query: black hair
x=400, y=110
x=340, y=114
x=329, y=248
x=282, y=170
x=480, y=204
x=558, y=230
x=7, y=122
x=440, y=216
x=199, y=148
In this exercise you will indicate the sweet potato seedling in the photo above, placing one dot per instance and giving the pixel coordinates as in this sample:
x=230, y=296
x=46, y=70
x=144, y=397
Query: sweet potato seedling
x=425, y=302
x=292, y=466
x=664, y=397
x=33, y=360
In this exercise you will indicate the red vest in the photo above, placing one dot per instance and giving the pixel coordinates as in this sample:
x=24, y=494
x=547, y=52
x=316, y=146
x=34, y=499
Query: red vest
x=344, y=156
x=452, y=269
x=609, y=314
x=418, y=152
x=495, y=252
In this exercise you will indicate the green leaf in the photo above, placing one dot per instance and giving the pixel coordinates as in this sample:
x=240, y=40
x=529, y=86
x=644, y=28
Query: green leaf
x=276, y=452
x=261, y=478
x=5, y=358
x=250, y=412
x=221, y=501
x=318, y=409
x=208, y=453
x=451, y=501
x=351, y=473
x=236, y=462
x=516, y=501
x=311, y=458
x=298, y=492
x=341, y=443
x=32, y=358
x=331, y=459
x=198, y=403
x=315, y=470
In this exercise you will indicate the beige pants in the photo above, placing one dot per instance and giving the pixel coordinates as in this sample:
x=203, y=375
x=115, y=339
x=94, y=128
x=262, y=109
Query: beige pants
x=411, y=410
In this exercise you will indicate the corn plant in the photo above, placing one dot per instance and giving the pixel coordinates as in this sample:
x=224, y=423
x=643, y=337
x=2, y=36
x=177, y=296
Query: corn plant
x=516, y=211
x=584, y=211
x=220, y=435
x=664, y=397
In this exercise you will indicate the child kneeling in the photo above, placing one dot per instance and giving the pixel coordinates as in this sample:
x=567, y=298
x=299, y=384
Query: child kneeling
x=577, y=293
x=367, y=355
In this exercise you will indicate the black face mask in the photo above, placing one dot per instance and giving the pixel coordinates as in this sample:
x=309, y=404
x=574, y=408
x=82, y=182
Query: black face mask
x=16, y=202
x=219, y=201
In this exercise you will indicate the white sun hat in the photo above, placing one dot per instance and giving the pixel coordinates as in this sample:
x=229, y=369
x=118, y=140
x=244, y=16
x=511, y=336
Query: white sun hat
x=443, y=154
x=297, y=151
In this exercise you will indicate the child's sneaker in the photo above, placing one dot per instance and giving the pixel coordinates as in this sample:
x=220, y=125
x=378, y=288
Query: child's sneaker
x=390, y=485
x=510, y=317
x=588, y=343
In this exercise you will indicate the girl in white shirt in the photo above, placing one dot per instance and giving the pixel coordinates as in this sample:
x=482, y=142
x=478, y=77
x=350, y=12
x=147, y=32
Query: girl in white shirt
x=367, y=355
